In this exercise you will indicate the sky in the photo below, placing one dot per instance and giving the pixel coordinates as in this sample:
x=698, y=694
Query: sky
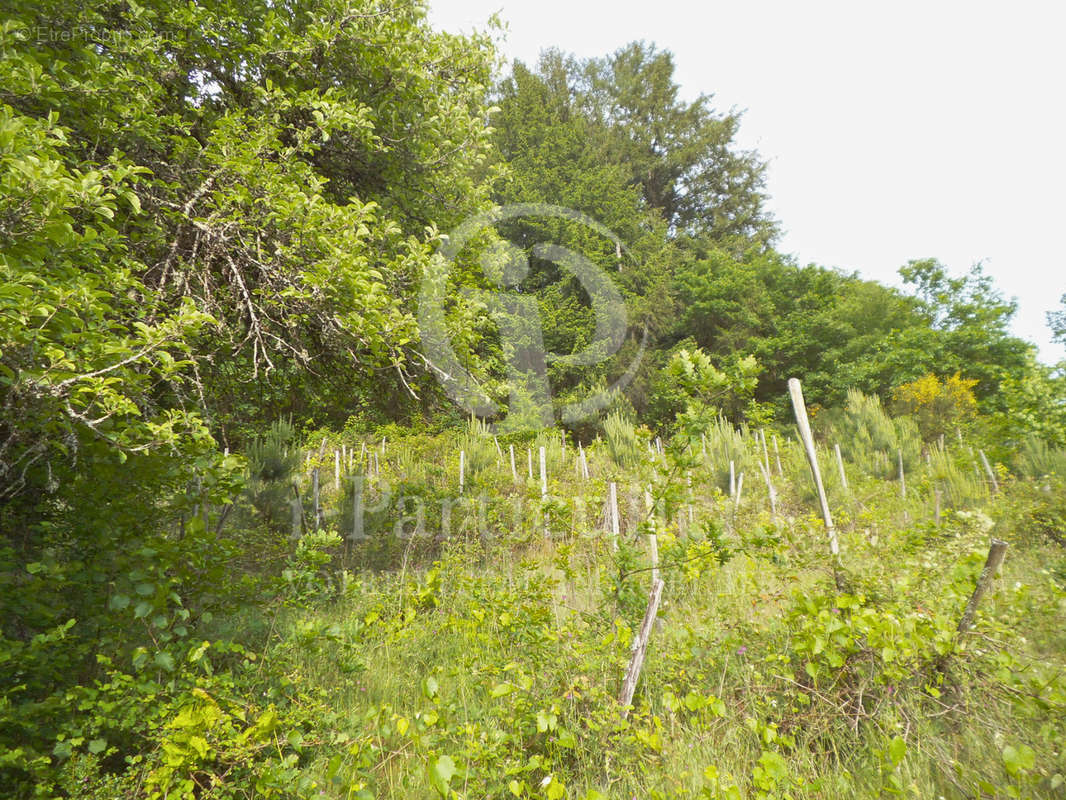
x=892, y=131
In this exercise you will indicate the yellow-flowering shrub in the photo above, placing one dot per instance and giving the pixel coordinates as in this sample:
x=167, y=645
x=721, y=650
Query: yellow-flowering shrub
x=938, y=405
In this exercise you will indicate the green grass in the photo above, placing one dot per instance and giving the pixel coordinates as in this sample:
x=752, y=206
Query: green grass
x=504, y=659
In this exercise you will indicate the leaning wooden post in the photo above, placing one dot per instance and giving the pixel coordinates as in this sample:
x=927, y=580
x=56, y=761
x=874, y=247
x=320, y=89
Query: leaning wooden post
x=777, y=456
x=902, y=480
x=640, y=648
x=800, y=409
x=765, y=469
x=989, y=472
x=740, y=491
x=840, y=466
x=992, y=564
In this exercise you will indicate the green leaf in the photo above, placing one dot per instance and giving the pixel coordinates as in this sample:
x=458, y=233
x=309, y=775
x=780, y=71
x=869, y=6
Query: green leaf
x=97, y=746
x=897, y=750
x=1018, y=759
x=164, y=661
x=441, y=772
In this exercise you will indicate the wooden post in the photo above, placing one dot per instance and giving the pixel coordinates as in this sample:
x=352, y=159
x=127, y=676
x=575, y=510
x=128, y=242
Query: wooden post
x=584, y=461
x=357, y=507
x=544, y=487
x=529, y=457
x=777, y=455
x=615, y=522
x=462, y=469
x=902, y=480
x=337, y=470
x=996, y=553
x=740, y=490
x=840, y=466
x=514, y=472
x=543, y=475
x=499, y=452
x=314, y=495
x=732, y=480
x=804, y=425
x=765, y=454
x=989, y=472
x=640, y=647
x=765, y=469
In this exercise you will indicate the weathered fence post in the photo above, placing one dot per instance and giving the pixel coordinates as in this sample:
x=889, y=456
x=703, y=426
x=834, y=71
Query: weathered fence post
x=640, y=647
x=800, y=409
x=840, y=466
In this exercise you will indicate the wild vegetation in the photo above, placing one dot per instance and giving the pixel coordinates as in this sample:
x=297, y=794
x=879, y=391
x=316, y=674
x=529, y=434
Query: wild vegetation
x=252, y=547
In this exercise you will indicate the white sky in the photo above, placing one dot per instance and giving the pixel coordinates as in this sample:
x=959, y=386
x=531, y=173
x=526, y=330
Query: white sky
x=897, y=131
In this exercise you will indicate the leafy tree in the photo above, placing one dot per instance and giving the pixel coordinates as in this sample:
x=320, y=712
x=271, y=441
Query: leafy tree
x=681, y=154
x=694, y=392
x=295, y=164
x=969, y=319
x=1056, y=320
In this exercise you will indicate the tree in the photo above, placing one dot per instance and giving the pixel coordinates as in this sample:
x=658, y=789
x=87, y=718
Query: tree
x=296, y=160
x=1056, y=320
x=681, y=154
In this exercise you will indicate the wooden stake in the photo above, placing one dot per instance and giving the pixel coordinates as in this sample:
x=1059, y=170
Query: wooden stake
x=804, y=425
x=902, y=480
x=732, y=480
x=765, y=469
x=777, y=455
x=996, y=553
x=615, y=522
x=740, y=490
x=640, y=647
x=462, y=469
x=840, y=466
x=543, y=475
x=514, y=472
x=989, y=472
x=337, y=470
